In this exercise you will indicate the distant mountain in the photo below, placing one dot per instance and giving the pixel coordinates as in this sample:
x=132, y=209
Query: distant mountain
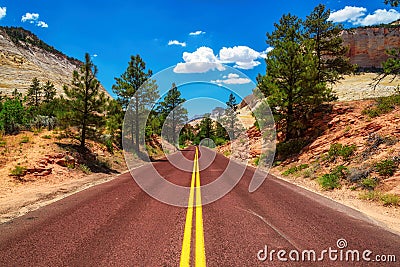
x=23, y=56
x=196, y=117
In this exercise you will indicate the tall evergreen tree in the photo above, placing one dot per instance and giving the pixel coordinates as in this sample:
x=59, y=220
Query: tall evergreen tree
x=291, y=83
x=186, y=135
x=230, y=119
x=206, y=127
x=34, y=93
x=134, y=87
x=49, y=92
x=13, y=114
x=328, y=46
x=114, y=119
x=173, y=113
x=220, y=131
x=85, y=100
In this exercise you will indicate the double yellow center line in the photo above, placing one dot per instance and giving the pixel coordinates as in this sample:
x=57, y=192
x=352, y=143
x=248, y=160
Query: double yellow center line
x=200, y=253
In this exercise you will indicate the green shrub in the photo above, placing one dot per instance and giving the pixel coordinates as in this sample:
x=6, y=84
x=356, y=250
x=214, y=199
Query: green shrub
x=47, y=136
x=70, y=166
x=333, y=151
x=329, y=181
x=371, y=112
x=370, y=183
x=382, y=105
x=24, y=140
x=347, y=151
x=110, y=145
x=295, y=169
x=340, y=171
x=84, y=168
x=220, y=141
x=18, y=171
x=386, y=167
x=3, y=143
x=371, y=195
x=338, y=150
x=227, y=153
x=390, y=200
x=385, y=199
x=256, y=161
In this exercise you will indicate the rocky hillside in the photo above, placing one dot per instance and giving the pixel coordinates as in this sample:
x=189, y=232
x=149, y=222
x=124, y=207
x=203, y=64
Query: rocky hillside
x=367, y=45
x=24, y=56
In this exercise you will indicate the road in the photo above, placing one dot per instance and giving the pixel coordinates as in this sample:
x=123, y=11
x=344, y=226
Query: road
x=118, y=224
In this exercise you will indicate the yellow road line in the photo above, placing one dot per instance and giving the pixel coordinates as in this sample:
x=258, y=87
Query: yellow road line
x=200, y=253
x=200, y=250
x=185, y=254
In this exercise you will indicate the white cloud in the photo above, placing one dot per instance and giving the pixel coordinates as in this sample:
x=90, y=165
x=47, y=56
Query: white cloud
x=176, y=42
x=3, y=12
x=33, y=18
x=244, y=57
x=200, y=61
x=357, y=16
x=232, y=78
x=42, y=24
x=204, y=59
x=197, y=33
x=30, y=17
x=378, y=17
x=347, y=14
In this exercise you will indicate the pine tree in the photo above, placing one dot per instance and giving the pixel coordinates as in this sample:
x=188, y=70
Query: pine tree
x=220, y=131
x=114, y=120
x=230, y=119
x=135, y=90
x=291, y=83
x=186, y=135
x=13, y=114
x=391, y=67
x=85, y=100
x=49, y=92
x=206, y=127
x=173, y=113
x=34, y=93
x=328, y=46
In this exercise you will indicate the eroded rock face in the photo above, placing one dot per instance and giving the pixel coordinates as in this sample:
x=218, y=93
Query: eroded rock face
x=367, y=46
x=20, y=64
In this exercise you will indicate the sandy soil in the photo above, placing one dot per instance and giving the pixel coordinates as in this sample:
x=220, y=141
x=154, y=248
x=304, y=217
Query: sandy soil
x=23, y=198
x=41, y=151
x=357, y=87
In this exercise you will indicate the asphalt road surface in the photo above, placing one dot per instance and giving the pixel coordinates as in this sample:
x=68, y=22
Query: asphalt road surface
x=118, y=224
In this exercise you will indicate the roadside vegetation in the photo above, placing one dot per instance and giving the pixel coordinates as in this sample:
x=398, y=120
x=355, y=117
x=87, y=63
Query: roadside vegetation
x=347, y=171
x=297, y=86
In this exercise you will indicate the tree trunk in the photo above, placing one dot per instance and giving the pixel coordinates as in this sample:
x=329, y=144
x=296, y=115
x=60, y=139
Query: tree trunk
x=289, y=123
x=137, y=126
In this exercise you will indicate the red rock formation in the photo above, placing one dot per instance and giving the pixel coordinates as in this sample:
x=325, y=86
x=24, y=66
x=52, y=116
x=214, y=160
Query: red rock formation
x=367, y=46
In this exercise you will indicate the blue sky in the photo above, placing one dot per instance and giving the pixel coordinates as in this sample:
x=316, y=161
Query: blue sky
x=166, y=33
